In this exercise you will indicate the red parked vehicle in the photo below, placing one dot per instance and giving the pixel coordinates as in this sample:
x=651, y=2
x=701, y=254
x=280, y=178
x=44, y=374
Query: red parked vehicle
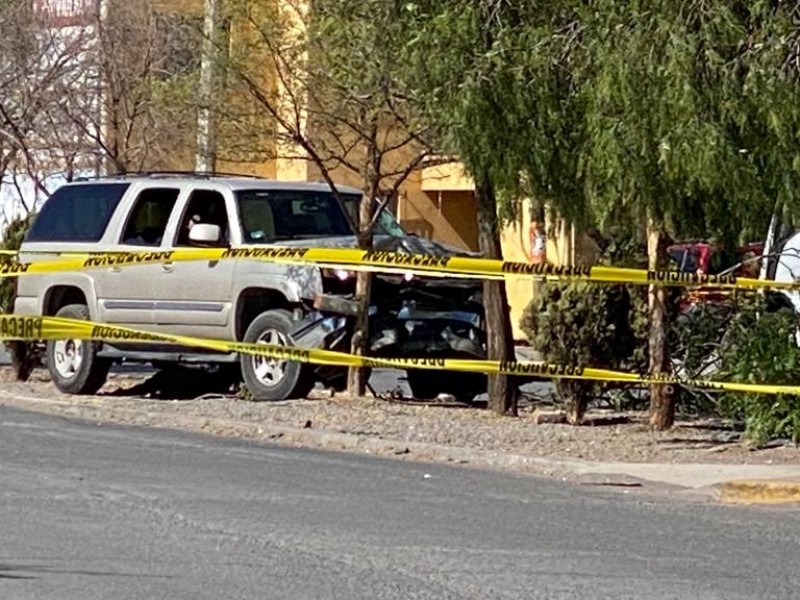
x=709, y=259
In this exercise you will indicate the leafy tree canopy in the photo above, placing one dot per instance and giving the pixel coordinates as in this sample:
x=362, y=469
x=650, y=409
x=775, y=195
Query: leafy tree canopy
x=614, y=111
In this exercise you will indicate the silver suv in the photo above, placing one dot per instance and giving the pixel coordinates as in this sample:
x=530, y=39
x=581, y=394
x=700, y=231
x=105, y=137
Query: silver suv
x=227, y=299
x=252, y=301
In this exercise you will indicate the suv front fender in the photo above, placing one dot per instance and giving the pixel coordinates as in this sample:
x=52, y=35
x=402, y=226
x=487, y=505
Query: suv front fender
x=295, y=282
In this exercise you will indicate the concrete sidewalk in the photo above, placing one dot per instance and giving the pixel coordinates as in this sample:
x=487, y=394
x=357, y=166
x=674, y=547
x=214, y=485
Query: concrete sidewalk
x=737, y=484
x=733, y=483
x=689, y=475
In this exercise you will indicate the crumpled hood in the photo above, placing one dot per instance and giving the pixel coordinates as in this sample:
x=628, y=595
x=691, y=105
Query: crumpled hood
x=418, y=245
x=404, y=245
x=386, y=243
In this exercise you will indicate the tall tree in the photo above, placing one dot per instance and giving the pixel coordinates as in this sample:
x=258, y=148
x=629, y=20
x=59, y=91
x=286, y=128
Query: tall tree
x=333, y=84
x=130, y=101
x=692, y=126
x=35, y=60
x=463, y=78
x=681, y=117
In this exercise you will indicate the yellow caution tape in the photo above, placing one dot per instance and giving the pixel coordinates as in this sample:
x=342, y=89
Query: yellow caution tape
x=14, y=327
x=391, y=262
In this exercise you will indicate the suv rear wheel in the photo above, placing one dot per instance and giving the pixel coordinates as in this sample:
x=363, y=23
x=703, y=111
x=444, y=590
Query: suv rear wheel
x=268, y=378
x=73, y=364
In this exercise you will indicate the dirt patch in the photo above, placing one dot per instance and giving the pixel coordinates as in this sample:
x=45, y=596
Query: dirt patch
x=622, y=437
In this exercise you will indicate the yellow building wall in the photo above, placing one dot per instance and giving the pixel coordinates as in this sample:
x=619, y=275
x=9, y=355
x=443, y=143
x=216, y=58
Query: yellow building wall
x=447, y=217
x=514, y=239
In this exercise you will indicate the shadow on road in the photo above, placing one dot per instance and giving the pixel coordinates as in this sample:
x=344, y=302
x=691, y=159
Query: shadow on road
x=11, y=572
x=7, y=572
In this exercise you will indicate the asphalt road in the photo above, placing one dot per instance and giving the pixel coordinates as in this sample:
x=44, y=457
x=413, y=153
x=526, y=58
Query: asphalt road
x=97, y=512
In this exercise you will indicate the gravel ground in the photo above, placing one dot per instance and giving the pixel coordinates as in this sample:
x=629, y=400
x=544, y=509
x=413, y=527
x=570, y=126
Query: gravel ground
x=130, y=398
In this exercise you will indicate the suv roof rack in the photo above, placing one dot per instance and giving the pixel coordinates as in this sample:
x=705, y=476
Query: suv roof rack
x=155, y=174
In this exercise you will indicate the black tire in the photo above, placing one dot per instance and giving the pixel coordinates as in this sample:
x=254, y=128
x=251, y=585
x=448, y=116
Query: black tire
x=427, y=384
x=777, y=302
x=297, y=379
x=91, y=373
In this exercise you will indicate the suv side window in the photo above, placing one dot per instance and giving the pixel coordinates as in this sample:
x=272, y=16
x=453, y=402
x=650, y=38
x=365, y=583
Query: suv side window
x=203, y=206
x=148, y=219
x=77, y=213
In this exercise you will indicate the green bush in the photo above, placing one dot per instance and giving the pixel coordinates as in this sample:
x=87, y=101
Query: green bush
x=581, y=324
x=761, y=347
x=12, y=240
x=25, y=356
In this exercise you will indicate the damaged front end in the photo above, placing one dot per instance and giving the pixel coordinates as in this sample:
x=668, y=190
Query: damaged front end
x=409, y=317
x=427, y=318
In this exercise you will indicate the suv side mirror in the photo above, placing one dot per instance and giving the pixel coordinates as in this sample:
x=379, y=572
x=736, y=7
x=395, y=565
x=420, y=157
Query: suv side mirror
x=205, y=233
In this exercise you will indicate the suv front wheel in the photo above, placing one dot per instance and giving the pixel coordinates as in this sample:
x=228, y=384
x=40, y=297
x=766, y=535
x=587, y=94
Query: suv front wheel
x=269, y=378
x=73, y=364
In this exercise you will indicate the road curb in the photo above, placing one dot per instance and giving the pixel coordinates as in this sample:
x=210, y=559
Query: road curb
x=311, y=438
x=760, y=491
x=731, y=483
x=575, y=471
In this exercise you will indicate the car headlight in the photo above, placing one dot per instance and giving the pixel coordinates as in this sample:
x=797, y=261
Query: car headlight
x=339, y=274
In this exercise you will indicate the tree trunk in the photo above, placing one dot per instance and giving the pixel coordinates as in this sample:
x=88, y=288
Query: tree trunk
x=662, y=397
x=502, y=388
x=357, y=376
x=25, y=357
x=575, y=395
x=206, y=151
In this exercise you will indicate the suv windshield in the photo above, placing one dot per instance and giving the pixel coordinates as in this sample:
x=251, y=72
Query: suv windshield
x=279, y=215
x=386, y=224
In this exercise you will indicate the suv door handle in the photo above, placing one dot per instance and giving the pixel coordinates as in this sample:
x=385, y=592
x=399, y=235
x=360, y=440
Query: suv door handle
x=115, y=269
x=167, y=267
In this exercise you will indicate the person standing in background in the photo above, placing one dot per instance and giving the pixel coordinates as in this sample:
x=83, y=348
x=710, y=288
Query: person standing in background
x=537, y=253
